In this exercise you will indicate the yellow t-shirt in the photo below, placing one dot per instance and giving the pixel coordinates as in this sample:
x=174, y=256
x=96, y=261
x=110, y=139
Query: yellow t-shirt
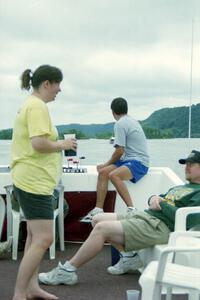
x=32, y=171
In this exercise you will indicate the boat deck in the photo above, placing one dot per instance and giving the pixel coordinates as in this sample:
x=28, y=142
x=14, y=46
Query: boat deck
x=94, y=282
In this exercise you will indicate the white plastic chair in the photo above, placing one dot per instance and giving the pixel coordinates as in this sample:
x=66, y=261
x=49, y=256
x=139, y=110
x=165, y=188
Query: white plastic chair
x=2, y=214
x=165, y=273
x=153, y=253
x=181, y=217
x=15, y=217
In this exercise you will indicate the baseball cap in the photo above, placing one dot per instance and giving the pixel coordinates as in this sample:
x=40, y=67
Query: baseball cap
x=194, y=157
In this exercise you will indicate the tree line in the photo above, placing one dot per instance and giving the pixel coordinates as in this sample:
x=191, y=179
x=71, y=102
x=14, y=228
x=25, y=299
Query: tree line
x=151, y=133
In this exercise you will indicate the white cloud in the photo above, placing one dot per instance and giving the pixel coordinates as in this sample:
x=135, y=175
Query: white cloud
x=139, y=50
x=156, y=59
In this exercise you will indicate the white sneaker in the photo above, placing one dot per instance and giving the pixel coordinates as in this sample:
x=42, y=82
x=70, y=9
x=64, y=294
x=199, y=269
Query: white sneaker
x=91, y=214
x=126, y=265
x=59, y=275
x=131, y=210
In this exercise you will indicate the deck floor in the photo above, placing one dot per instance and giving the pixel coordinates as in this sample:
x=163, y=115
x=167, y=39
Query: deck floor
x=94, y=282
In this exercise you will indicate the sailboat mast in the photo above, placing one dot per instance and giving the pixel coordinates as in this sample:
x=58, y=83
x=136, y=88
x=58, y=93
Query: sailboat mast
x=190, y=92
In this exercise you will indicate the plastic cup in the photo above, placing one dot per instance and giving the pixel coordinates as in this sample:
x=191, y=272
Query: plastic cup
x=132, y=294
x=70, y=152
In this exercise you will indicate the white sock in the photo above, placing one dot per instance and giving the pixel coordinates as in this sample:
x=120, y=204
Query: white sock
x=127, y=255
x=69, y=267
x=131, y=208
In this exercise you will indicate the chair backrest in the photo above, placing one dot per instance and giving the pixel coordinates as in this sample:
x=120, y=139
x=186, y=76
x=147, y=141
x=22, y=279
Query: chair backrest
x=181, y=217
x=60, y=188
x=2, y=214
x=12, y=205
x=15, y=216
x=181, y=241
x=9, y=189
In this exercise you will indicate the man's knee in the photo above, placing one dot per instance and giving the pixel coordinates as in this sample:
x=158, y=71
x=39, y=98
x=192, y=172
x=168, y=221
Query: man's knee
x=103, y=173
x=97, y=218
x=113, y=176
x=99, y=229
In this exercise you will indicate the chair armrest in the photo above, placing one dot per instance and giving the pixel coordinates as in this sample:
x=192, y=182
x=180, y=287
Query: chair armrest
x=2, y=214
x=176, y=235
x=193, y=246
x=181, y=216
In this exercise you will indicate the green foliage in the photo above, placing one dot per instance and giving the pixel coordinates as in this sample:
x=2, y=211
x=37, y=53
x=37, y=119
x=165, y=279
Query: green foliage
x=6, y=134
x=104, y=135
x=164, y=123
x=79, y=134
x=155, y=133
x=90, y=130
x=175, y=121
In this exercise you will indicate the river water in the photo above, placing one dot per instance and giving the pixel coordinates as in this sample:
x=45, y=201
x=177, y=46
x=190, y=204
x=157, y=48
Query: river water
x=163, y=153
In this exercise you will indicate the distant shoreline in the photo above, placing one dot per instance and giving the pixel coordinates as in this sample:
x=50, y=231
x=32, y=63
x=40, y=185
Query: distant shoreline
x=166, y=123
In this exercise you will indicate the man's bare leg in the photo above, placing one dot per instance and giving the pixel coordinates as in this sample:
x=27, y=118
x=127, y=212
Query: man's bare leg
x=117, y=177
x=111, y=231
x=103, y=217
x=102, y=184
x=107, y=217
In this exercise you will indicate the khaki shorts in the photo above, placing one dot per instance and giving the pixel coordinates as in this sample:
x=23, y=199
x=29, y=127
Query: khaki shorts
x=142, y=230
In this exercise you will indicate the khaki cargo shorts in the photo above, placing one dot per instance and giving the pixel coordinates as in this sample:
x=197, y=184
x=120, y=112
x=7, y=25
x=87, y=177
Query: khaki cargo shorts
x=142, y=230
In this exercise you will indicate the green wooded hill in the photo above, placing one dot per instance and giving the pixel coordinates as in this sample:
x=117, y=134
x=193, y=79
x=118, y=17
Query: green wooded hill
x=163, y=123
x=175, y=121
x=88, y=130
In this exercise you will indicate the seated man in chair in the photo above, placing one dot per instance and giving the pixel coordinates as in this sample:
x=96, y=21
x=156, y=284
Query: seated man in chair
x=132, y=232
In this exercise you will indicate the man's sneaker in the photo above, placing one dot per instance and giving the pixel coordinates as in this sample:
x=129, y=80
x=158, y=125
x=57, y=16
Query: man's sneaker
x=59, y=275
x=126, y=265
x=91, y=214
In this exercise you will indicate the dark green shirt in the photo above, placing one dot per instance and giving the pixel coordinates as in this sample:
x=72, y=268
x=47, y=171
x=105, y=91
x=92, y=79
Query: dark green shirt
x=176, y=197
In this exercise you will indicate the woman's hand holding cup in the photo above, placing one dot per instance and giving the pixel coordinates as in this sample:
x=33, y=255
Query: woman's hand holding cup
x=71, y=144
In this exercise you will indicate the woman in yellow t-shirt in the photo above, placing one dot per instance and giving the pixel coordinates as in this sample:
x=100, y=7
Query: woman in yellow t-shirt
x=36, y=169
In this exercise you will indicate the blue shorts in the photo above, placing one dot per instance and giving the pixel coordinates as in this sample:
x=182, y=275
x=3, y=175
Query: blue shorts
x=137, y=169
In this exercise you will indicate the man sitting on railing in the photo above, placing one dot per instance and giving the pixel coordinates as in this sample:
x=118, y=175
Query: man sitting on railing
x=128, y=162
x=132, y=232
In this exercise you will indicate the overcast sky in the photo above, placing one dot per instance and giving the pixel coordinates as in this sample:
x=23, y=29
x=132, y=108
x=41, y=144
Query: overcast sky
x=136, y=49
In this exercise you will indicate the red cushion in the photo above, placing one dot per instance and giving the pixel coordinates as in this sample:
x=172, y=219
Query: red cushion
x=79, y=205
